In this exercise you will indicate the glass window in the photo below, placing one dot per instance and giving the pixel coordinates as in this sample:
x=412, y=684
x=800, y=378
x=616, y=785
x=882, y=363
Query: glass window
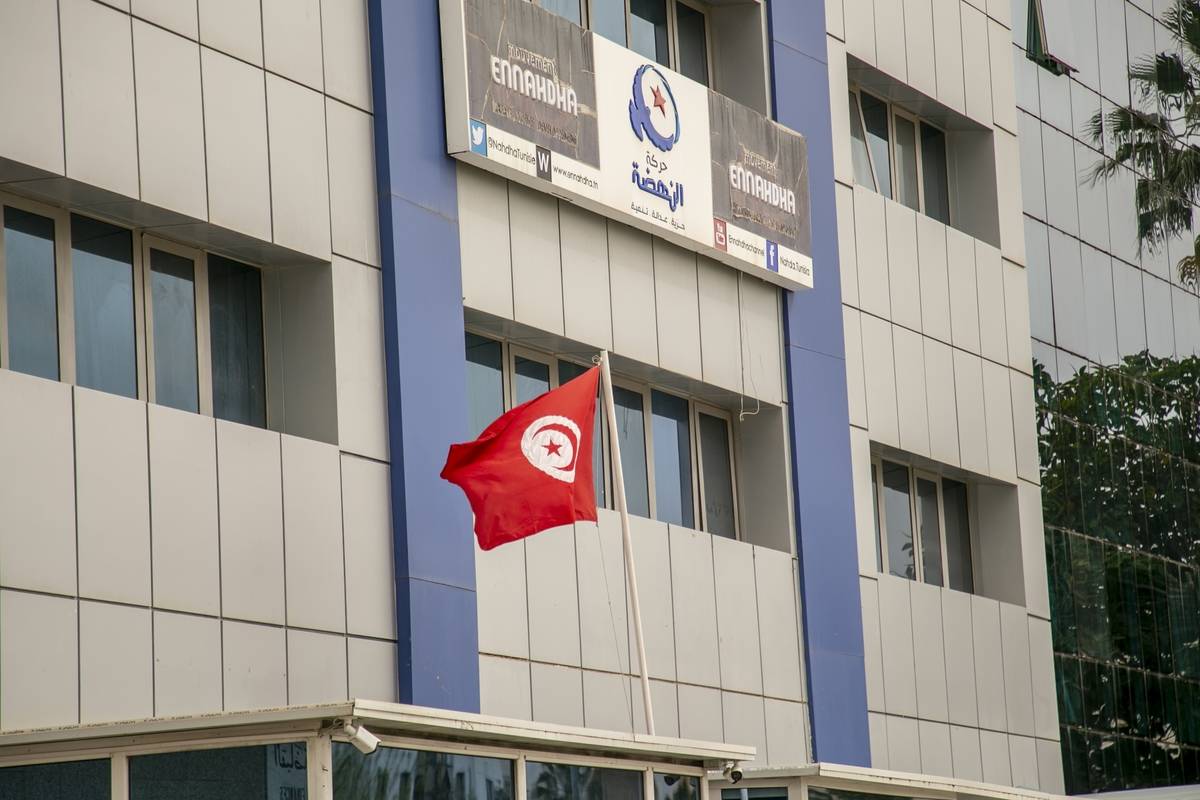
x=68, y=780
x=564, y=8
x=569, y=371
x=570, y=782
x=934, y=173
x=530, y=379
x=261, y=772
x=105, y=347
x=822, y=793
x=648, y=30
x=897, y=513
x=631, y=435
x=858, y=147
x=958, y=536
x=757, y=793
x=875, y=509
x=173, y=309
x=485, y=382
x=238, y=372
x=32, y=293
x=676, y=787
x=875, y=117
x=930, y=531
x=690, y=28
x=671, y=428
x=907, y=190
x=717, y=477
x=390, y=772
x=608, y=20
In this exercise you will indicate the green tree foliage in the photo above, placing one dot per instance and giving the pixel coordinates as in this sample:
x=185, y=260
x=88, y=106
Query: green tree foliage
x=1156, y=137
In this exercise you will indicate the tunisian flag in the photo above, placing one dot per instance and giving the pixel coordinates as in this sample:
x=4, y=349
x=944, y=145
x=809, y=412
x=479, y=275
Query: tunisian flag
x=531, y=469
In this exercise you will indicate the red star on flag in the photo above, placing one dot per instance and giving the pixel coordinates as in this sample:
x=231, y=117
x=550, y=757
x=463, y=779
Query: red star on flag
x=553, y=448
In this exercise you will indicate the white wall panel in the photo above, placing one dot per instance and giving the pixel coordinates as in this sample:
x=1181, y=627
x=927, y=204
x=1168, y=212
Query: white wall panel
x=631, y=272
x=29, y=48
x=864, y=501
x=248, y=480
x=720, y=324
x=553, y=598
x=557, y=694
x=856, y=387
x=989, y=276
x=948, y=54
x=997, y=764
x=896, y=630
x=997, y=401
x=904, y=744
x=664, y=697
x=37, y=485
x=678, y=312
x=1023, y=757
x=504, y=689
x=877, y=728
x=1016, y=315
x=860, y=30
x=112, y=503
x=919, y=46
x=187, y=664
x=1018, y=686
x=989, y=666
x=233, y=27
x=737, y=616
x=235, y=141
x=1050, y=768
x=170, y=14
x=870, y=237
x=694, y=601
x=878, y=366
x=255, y=661
x=1004, y=97
x=312, y=532
x=600, y=566
x=778, y=626
x=964, y=748
x=353, y=200
x=292, y=40
x=699, y=713
x=98, y=96
x=346, y=51
x=762, y=340
x=744, y=723
x=936, y=757
x=929, y=654
x=903, y=278
x=586, y=308
x=359, y=357
x=843, y=164
x=39, y=659
x=972, y=424
x=787, y=738
x=1029, y=500
x=316, y=668
x=1024, y=426
x=170, y=123
x=889, y=38
x=964, y=299
x=500, y=582
x=536, y=261
x=1041, y=666
x=977, y=66
x=960, y=658
x=372, y=670
x=299, y=166
x=115, y=663
x=941, y=400
x=935, y=279
x=607, y=703
x=651, y=549
x=847, y=247
x=872, y=643
x=483, y=237
x=367, y=532
x=911, y=407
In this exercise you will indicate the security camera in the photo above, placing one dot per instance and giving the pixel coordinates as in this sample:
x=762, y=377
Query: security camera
x=363, y=740
x=733, y=772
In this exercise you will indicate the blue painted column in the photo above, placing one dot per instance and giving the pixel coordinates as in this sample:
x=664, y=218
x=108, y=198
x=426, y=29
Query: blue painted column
x=818, y=412
x=426, y=363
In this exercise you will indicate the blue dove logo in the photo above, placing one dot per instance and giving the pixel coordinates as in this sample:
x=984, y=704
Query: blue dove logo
x=652, y=110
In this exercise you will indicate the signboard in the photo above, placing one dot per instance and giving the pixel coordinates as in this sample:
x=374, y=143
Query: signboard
x=539, y=100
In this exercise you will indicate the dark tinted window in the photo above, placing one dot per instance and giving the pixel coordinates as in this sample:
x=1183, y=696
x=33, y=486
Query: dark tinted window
x=262, y=772
x=390, y=773
x=569, y=782
x=173, y=309
x=238, y=372
x=69, y=780
x=102, y=269
x=32, y=293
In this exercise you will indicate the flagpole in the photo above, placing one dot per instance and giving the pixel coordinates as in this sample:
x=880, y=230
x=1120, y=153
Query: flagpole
x=630, y=571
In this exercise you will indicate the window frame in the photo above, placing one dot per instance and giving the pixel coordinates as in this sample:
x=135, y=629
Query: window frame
x=143, y=242
x=894, y=111
x=510, y=351
x=916, y=473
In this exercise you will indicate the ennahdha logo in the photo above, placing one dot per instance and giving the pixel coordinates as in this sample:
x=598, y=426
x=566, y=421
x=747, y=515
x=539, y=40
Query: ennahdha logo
x=550, y=444
x=652, y=110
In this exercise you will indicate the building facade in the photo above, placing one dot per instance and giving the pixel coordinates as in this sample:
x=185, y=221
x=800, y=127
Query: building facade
x=263, y=261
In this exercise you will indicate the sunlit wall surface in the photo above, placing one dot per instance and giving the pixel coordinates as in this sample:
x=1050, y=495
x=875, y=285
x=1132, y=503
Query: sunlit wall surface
x=1115, y=333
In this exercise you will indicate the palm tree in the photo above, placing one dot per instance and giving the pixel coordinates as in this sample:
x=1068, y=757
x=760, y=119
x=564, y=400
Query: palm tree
x=1157, y=137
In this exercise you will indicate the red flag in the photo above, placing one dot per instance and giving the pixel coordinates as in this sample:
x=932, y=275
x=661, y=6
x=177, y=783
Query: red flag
x=531, y=469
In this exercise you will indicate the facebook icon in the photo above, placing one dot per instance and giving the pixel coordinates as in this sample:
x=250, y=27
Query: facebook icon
x=772, y=256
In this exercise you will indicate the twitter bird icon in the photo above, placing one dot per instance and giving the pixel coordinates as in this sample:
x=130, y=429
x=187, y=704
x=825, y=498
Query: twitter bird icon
x=479, y=138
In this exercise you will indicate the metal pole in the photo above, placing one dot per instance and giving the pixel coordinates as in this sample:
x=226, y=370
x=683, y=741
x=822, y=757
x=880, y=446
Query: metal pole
x=630, y=571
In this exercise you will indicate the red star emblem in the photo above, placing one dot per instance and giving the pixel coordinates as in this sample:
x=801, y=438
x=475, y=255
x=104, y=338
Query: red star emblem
x=660, y=102
x=553, y=448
